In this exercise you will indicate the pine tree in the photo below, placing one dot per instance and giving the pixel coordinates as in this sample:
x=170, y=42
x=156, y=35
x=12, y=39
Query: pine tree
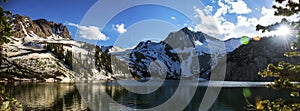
x=7, y=102
x=5, y=28
x=69, y=58
x=3, y=0
x=286, y=73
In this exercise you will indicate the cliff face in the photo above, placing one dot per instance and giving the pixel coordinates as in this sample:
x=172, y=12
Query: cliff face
x=244, y=63
x=184, y=53
x=41, y=50
x=24, y=26
x=28, y=55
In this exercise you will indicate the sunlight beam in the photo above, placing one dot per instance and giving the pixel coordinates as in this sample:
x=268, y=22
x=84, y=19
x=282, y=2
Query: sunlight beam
x=283, y=30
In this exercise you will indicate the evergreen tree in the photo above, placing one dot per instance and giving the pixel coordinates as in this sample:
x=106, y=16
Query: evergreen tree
x=68, y=58
x=103, y=59
x=3, y=0
x=5, y=28
x=286, y=73
x=7, y=103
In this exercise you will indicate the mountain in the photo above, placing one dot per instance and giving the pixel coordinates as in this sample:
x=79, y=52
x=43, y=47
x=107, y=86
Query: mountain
x=245, y=62
x=182, y=52
x=28, y=56
x=42, y=50
x=202, y=42
x=195, y=53
x=24, y=26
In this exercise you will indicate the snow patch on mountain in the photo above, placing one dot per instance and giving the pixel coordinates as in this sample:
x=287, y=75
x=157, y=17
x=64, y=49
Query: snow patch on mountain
x=179, y=52
x=28, y=57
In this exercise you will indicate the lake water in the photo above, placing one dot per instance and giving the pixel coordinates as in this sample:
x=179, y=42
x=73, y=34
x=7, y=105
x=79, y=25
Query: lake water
x=110, y=95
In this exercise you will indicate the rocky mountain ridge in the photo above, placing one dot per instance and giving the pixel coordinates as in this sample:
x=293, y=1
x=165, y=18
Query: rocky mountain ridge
x=27, y=55
x=243, y=61
x=24, y=26
x=44, y=50
x=39, y=50
x=184, y=53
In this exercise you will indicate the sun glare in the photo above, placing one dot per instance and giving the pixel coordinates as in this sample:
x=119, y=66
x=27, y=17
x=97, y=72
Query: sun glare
x=283, y=30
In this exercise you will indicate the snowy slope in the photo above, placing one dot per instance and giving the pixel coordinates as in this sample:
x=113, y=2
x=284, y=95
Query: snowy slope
x=176, y=56
x=178, y=53
x=27, y=56
x=147, y=52
x=182, y=54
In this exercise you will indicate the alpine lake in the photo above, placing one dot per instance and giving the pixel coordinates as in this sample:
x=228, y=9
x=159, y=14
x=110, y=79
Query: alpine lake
x=113, y=96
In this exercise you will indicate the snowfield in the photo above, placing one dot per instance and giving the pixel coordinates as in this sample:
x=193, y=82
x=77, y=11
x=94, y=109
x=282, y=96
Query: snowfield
x=30, y=53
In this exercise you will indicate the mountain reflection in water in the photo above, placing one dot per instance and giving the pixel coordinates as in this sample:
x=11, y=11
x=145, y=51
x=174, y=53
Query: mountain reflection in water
x=109, y=95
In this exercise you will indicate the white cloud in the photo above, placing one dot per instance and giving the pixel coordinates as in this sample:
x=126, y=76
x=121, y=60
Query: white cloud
x=191, y=29
x=221, y=11
x=246, y=26
x=244, y=21
x=221, y=28
x=89, y=32
x=217, y=25
x=208, y=9
x=269, y=18
x=239, y=7
x=284, y=3
x=208, y=23
x=227, y=28
x=174, y=18
x=120, y=28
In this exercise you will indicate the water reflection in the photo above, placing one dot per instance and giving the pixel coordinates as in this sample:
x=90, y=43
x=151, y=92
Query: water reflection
x=232, y=99
x=106, y=96
x=47, y=96
x=112, y=96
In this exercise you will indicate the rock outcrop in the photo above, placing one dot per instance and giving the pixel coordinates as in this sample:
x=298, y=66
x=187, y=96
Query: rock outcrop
x=24, y=26
x=28, y=55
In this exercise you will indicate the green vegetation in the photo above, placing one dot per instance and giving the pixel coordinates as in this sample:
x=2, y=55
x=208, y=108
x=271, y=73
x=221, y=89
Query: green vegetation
x=5, y=28
x=286, y=73
x=3, y=0
x=103, y=59
x=58, y=50
x=8, y=103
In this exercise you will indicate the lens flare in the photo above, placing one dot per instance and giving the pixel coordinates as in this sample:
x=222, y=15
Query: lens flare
x=247, y=92
x=257, y=38
x=283, y=30
x=244, y=40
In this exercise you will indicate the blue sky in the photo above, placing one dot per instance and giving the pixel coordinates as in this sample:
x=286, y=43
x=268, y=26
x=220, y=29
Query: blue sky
x=126, y=22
